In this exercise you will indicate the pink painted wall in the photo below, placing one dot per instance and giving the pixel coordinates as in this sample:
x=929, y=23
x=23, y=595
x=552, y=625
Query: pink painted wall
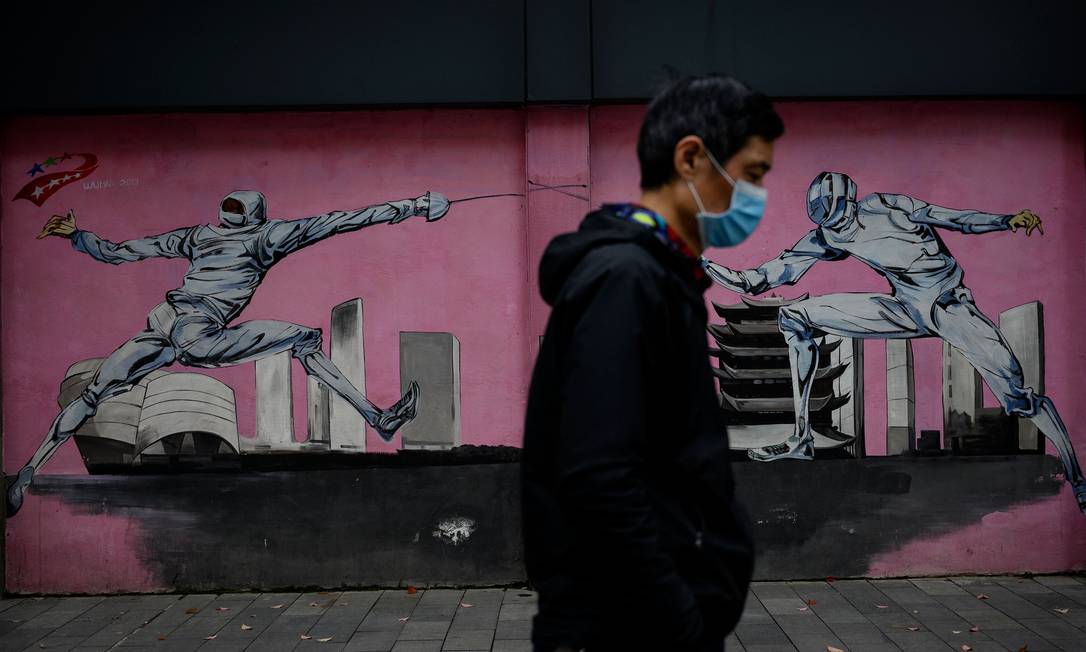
x=474, y=273
x=465, y=274
x=996, y=156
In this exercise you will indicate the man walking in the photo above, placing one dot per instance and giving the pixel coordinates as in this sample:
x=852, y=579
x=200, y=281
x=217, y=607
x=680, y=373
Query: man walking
x=632, y=533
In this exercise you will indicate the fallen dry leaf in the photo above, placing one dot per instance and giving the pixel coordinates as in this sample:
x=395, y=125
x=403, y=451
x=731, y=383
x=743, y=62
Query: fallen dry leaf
x=211, y=638
x=804, y=608
x=955, y=631
x=313, y=604
x=162, y=638
x=974, y=629
x=466, y=605
x=344, y=604
x=811, y=603
x=404, y=619
x=966, y=648
x=830, y=648
x=277, y=606
x=831, y=580
x=412, y=590
x=306, y=637
x=882, y=606
x=192, y=610
x=981, y=596
x=324, y=640
x=222, y=608
x=913, y=629
x=1024, y=648
x=245, y=627
x=1062, y=611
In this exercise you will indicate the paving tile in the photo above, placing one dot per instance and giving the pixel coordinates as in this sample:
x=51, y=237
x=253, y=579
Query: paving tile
x=510, y=645
x=731, y=644
x=342, y=619
x=806, y=623
x=783, y=605
x=771, y=590
x=469, y=639
x=1070, y=645
x=55, y=643
x=417, y=646
x=119, y=628
x=919, y=641
x=1052, y=628
x=424, y=630
x=771, y=647
x=858, y=633
x=433, y=597
x=518, y=611
x=513, y=629
x=938, y=586
x=372, y=641
x=752, y=635
x=218, y=617
x=1013, y=638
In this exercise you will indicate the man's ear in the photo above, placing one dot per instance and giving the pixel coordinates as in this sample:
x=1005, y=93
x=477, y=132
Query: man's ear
x=687, y=152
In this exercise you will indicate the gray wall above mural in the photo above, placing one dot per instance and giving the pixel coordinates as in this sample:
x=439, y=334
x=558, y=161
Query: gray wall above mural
x=137, y=55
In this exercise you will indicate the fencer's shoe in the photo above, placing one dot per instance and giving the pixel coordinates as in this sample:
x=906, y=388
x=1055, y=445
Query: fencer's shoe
x=16, y=488
x=787, y=450
x=396, y=416
x=1080, y=495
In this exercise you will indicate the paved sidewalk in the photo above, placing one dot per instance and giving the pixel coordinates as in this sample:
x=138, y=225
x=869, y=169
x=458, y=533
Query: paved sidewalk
x=963, y=614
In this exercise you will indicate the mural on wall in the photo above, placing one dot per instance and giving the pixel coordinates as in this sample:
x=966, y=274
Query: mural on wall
x=227, y=263
x=262, y=476
x=896, y=236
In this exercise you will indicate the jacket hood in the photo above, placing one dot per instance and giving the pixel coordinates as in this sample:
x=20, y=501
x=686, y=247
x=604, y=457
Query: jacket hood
x=599, y=228
x=256, y=209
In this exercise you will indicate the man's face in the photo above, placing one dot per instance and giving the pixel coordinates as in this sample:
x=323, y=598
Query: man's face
x=752, y=164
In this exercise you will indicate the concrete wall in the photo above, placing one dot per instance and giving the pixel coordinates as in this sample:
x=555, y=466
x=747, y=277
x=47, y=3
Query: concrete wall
x=473, y=274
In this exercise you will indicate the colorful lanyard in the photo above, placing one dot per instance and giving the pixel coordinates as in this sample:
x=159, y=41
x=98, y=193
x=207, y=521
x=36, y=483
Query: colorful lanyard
x=660, y=228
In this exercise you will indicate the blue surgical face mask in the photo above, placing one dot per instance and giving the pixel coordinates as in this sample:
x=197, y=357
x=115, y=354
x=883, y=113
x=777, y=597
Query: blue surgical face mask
x=734, y=225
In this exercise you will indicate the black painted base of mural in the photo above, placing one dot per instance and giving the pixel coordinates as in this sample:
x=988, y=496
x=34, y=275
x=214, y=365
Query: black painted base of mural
x=379, y=525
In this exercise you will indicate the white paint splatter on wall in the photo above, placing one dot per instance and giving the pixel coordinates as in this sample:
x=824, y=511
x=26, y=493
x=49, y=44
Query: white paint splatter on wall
x=455, y=530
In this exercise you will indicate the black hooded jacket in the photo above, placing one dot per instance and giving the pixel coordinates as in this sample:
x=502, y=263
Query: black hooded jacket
x=629, y=510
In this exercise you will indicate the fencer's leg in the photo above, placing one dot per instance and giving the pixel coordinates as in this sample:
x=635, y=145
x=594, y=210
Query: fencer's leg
x=260, y=338
x=385, y=422
x=122, y=369
x=323, y=369
x=848, y=315
x=970, y=331
x=1050, y=424
x=803, y=361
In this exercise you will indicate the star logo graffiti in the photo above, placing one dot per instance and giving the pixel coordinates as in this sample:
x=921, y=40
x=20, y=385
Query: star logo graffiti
x=41, y=188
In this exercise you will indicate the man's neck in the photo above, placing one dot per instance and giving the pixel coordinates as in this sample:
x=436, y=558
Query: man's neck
x=660, y=201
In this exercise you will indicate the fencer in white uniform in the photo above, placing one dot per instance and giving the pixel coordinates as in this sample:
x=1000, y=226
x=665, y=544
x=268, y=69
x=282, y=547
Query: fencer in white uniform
x=895, y=235
x=227, y=262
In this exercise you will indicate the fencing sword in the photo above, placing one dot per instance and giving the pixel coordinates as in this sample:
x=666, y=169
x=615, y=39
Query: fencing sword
x=504, y=194
x=538, y=186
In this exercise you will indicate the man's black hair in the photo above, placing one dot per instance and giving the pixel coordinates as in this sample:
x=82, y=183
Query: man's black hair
x=723, y=111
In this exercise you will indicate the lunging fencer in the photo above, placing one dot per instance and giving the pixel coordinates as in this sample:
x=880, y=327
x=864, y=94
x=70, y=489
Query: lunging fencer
x=227, y=262
x=896, y=236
